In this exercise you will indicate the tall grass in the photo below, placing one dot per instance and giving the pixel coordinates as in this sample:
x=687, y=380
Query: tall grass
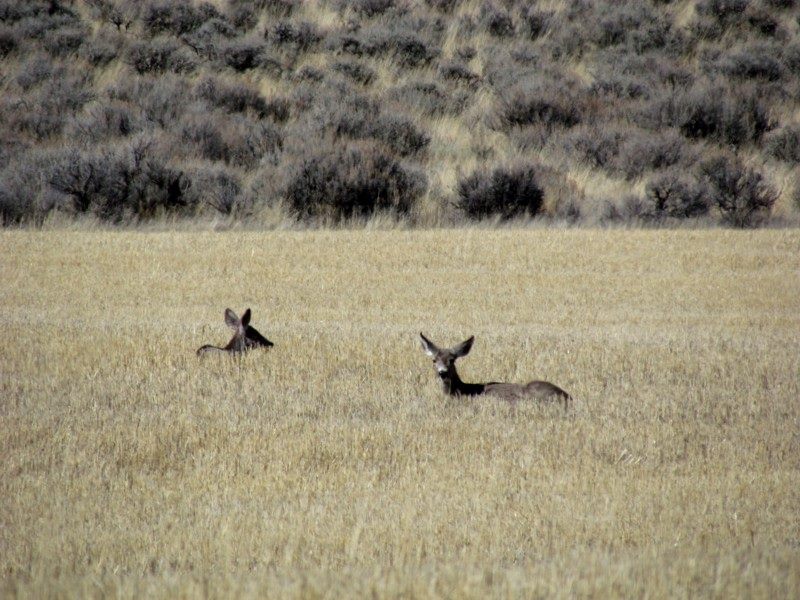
x=331, y=465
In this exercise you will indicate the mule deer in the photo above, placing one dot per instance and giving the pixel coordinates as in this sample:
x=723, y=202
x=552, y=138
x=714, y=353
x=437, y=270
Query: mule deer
x=244, y=338
x=444, y=360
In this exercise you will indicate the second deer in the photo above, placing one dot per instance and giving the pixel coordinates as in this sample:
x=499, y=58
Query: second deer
x=244, y=338
x=444, y=361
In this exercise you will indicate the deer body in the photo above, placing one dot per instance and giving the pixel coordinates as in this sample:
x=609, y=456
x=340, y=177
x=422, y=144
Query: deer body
x=444, y=360
x=244, y=338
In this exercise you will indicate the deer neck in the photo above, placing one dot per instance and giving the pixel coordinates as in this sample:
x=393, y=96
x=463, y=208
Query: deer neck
x=452, y=385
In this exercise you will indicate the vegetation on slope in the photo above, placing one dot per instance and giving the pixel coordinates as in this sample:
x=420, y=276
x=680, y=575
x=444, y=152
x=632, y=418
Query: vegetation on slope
x=436, y=111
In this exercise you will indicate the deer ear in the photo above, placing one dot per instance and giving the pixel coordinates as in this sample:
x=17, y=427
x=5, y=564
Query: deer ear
x=428, y=346
x=231, y=320
x=246, y=318
x=464, y=347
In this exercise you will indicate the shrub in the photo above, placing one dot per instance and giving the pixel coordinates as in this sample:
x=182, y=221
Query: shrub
x=643, y=151
x=101, y=49
x=429, y=98
x=370, y=8
x=754, y=62
x=742, y=196
x=162, y=100
x=35, y=70
x=537, y=22
x=353, y=181
x=400, y=134
x=534, y=104
x=406, y=47
x=456, y=71
x=302, y=36
x=8, y=41
x=596, y=146
x=355, y=70
x=164, y=16
x=716, y=113
x=221, y=189
x=64, y=41
x=723, y=10
x=160, y=55
x=103, y=122
x=497, y=20
x=209, y=37
x=505, y=192
x=242, y=55
x=675, y=195
x=21, y=188
x=233, y=139
x=785, y=144
x=238, y=97
x=113, y=184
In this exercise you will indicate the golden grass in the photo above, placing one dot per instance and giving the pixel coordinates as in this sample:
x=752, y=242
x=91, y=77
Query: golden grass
x=333, y=466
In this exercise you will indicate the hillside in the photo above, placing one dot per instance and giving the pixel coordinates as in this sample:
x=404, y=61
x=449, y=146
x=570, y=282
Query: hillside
x=435, y=112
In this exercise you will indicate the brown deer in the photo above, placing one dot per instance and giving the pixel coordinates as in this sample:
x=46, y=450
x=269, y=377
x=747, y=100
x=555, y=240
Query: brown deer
x=244, y=338
x=444, y=361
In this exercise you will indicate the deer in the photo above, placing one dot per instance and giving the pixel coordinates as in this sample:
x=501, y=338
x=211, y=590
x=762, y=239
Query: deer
x=244, y=338
x=444, y=361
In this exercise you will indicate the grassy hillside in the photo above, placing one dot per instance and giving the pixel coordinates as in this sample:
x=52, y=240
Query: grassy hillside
x=331, y=465
x=433, y=112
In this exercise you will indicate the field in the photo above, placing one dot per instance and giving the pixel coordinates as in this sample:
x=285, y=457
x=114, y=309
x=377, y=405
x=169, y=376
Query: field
x=333, y=466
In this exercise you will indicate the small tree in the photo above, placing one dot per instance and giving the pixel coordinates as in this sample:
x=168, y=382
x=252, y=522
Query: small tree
x=740, y=193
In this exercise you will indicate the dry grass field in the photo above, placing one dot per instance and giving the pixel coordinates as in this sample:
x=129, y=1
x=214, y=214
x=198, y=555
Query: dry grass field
x=332, y=465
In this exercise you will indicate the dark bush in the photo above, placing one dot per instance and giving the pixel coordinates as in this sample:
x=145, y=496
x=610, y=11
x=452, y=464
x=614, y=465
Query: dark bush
x=459, y=72
x=534, y=104
x=353, y=181
x=121, y=14
x=369, y=8
x=781, y=3
x=723, y=10
x=209, y=37
x=243, y=55
x=497, y=20
x=596, y=146
x=504, y=192
x=355, y=70
x=102, y=49
x=763, y=22
x=115, y=184
x=35, y=70
x=734, y=117
x=21, y=188
x=104, y=122
x=8, y=40
x=754, y=62
x=742, y=196
x=302, y=35
x=159, y=55
x=445, y=6
x=428, y=97
x=537, y=22
x=178, y=18
x=676, y=195
x=232, y=139
x=400, y=134
x=643, y=151
x=65, y=41
x=221, y=189
x=238, y=97
x=51, y=104
x=406, y=47
x=784, y=144
x=162, y=100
